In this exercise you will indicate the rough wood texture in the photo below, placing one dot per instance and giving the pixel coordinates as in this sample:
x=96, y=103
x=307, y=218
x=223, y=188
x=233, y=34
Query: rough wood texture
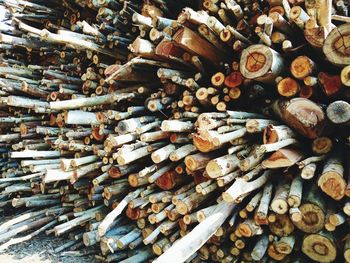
x=144, y=129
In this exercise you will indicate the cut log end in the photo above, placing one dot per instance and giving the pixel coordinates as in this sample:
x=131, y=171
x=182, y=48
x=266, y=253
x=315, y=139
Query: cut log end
x=319, y=248
x=333, y=184
x=339, y=112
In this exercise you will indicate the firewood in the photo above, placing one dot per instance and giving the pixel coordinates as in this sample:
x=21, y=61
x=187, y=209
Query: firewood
x=295, y=113
x=338, y=112
x=325, y=248
x=139, y=129
x=331, y=180
x=268, y=60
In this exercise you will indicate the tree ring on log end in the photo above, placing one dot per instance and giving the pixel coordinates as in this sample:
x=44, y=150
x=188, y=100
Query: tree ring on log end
x=282, y=226
x=313, y=218
x=332, y=184
x=319, y=248
x=261, y=63
x=336, y=45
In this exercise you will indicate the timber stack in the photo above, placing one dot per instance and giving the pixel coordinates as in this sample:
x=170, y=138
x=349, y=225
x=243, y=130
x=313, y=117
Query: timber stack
x=177, y=130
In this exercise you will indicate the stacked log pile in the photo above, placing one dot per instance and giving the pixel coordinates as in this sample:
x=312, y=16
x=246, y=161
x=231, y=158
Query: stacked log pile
x=177, y=130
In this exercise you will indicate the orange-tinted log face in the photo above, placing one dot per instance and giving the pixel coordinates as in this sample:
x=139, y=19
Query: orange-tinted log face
x=166, y=181
x=302, y=67
x=202, y=144
x=306, y=92
x=288, y=87
x=133, y=213
x=255, y=61
x=234, y=93
x=233, y=80
x=331, y=84
x=96, y=134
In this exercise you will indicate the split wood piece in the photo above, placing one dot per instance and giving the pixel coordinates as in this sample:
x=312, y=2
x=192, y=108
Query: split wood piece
x=195, y=17
x=335, y=46
x=197, y=45
x=110, y=218
x=81, y=118
x=301, y=114
x=177, y=126
x=188, y=245
x=153, y=136
x=35, y=154
x=124, y=158
x=284, y=157
x=241, y=187
x=208, y=34
x=276, y=133
x=335, y=220
x=331, y=180
x=281, y=24
x=254, y=201
x=252, y=161
x=222, y=166
x=161, y=171
x=295, y=193
x=191, y=202
x=260, y=216
x=299, y=16
x=258, y=125
x=182, y=152
x=310, y=160
x=260, y=248
x=312, y=210
x=221, y=139
x=237, y=35
x=279, y=203
x=198, y=161
x=204, y=145
x=308, y=172
x=261, y=63
x=320, y=246
x=163, y=153
x=90, y=102
x=243, y=115
x=248, y=228
x=130, y=125
x=288, y=87
x=339, y=112
x=180, y=138
x=202, y=214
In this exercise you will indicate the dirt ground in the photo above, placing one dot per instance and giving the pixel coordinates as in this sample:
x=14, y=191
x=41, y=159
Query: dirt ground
x=40, y=249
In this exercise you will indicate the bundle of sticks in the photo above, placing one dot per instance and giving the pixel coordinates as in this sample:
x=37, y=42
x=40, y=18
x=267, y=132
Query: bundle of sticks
x=177, y=130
